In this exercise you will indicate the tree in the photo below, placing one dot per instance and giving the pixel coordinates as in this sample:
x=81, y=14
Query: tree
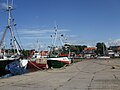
x=101, y=49
x=73, y=48
x=26, y=53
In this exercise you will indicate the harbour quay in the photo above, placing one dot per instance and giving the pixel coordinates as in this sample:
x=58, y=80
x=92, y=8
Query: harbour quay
x=91, y=74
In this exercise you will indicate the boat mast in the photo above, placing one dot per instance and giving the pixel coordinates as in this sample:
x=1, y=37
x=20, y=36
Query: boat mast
x=57, y=37
x=10, y=26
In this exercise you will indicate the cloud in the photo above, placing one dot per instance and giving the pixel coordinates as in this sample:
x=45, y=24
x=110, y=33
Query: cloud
x=83, y=42
x=26, y=33
x=64, y=30
x=108, y=43
x=115, y=42
x=29, y=36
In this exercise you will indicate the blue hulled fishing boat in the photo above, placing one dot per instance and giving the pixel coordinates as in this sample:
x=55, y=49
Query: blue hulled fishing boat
x=11, y=63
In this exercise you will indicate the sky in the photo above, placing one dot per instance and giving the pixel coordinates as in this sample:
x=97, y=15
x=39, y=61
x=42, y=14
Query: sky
x=83, y=22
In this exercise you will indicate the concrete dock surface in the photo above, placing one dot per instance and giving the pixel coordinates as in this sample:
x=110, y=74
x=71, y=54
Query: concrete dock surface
x=84, y=75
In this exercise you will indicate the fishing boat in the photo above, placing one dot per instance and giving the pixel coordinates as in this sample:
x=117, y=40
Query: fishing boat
x=58, y=62
x=54, y=61
x=11, y=63
x=37, y=62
